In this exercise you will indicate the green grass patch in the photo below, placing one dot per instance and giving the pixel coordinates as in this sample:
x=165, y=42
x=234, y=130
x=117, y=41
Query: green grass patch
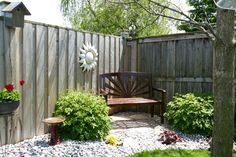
x=173, y=153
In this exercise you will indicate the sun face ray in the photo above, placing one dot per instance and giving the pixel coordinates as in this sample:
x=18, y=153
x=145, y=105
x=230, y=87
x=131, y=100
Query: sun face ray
x=88, y=57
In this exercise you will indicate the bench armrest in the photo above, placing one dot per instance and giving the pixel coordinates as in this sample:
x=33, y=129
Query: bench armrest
x=104, y=94
x=163, y=93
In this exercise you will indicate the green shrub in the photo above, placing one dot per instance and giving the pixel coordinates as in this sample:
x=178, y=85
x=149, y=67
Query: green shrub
x=86, y=116
x=191, y=113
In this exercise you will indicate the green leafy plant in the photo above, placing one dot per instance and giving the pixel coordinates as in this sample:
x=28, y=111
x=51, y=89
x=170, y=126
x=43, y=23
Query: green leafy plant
x=86, y=116
x=9, y=93
x=191, y=113
x=112, y=140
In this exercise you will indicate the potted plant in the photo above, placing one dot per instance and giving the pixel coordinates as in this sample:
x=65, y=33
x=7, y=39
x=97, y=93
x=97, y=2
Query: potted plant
x=9, y=99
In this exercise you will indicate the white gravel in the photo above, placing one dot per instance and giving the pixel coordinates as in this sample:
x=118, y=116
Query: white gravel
x=132, y=140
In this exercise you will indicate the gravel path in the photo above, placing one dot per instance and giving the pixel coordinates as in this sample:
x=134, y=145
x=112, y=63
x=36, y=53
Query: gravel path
x=135, y=131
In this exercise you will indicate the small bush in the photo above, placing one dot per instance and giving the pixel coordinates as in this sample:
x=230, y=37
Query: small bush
x=191, y=113
x=86, y=116
x=112, y=140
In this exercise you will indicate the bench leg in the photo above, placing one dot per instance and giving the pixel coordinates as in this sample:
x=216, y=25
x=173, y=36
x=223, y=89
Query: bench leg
x=162, y=113
x=152, y=110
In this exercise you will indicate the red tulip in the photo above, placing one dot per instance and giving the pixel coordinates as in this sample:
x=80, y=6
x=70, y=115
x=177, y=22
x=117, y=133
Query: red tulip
x=22, y=82
x=9, y=87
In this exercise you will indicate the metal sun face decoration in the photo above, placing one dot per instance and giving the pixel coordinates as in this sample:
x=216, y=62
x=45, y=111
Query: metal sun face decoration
x=88, y=57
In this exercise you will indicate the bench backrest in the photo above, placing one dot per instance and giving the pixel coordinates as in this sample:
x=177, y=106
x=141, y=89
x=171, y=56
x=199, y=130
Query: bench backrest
x=126, y=84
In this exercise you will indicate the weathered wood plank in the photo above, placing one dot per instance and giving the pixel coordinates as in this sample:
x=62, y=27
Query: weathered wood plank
x=101, y=54
x=53, y=60
x=80, y=74
x=198, y=57
x=133, y=57
x=117, y=54
x=208, y=58
x=18, y=43
x=63, y=62
x=95, y=71
x=41, y=51
x=170, y=59
x=2, y=65
x=180, y=58
x=112, y=54
x=7, y=55
x=88, y=75
x=122, y=42
x=107, y=55
x=28, y=95
x=189, y=59
x=72, y=60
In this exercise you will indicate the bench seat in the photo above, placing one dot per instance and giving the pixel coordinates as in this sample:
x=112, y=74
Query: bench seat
x=131, y=101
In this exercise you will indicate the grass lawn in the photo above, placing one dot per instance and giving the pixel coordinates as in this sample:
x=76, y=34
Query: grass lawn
x=173, y=153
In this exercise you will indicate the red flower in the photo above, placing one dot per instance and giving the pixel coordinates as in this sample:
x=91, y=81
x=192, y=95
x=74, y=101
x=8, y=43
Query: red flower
x=9, y=87
x=22, y=82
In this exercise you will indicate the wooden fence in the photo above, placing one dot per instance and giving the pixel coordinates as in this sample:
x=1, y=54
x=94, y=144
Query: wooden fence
x=179, y=63
x=45, y=57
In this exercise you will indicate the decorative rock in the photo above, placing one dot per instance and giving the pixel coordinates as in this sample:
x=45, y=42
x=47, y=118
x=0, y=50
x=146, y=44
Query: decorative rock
x=133, y=139
x=129, y=142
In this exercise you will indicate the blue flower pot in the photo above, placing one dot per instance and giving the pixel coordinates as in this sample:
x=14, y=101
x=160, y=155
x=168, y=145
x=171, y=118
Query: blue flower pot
x=7, y=107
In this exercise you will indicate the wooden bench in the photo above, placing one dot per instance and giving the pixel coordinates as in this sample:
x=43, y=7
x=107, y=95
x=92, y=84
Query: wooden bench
x=131, y=89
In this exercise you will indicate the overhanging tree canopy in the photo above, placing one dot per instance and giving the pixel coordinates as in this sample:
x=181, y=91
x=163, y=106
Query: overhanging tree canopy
x=113, y=18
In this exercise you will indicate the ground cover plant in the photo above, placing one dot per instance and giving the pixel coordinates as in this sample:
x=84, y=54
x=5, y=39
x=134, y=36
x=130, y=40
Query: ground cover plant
x=86, y=116
x=170, y=137
x=173, y=153
x=191, y=113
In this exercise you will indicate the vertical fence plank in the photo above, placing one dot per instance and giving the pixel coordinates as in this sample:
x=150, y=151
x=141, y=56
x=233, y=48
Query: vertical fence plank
x=117, y=45
x=2, y=73
x=2, y=82
x=63, y=62
x=170, y=51
x=122, y=43
x=112, y=54
x=18, y=44
x=41, y=51
x=28, y=102
x=101, y=55
x=71, y=59
x=88, y=74
x=107, y=54
x=80, y=74
x=52, y=69
x=95, y=71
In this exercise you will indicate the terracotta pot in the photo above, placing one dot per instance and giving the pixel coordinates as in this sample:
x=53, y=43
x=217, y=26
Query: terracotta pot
x=7, y=107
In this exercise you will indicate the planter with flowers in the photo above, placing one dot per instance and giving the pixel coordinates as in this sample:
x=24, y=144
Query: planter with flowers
x=9, y=99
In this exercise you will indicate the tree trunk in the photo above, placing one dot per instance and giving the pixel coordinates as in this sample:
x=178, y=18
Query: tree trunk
x=223, y=85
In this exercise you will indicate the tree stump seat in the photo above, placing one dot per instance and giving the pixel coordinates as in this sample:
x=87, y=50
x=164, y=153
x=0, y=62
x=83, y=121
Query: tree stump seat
x=131, y=89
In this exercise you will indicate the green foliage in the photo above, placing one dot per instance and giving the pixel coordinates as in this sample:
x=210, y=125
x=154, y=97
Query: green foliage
x=112, y=140
x=86, y=116
x=173, y=153
x=203, y=11
x=9, y=95
x=112, y=18
x=191, y=113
